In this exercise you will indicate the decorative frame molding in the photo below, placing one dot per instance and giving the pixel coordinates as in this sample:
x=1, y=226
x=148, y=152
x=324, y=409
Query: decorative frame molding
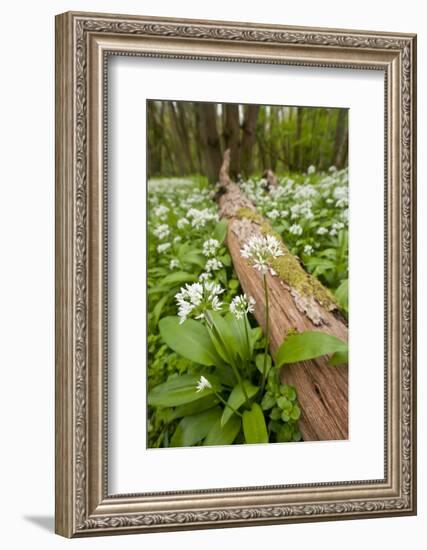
x=83, y=43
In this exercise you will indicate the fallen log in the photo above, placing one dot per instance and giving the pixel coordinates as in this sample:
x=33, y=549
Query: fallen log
x=297, y=301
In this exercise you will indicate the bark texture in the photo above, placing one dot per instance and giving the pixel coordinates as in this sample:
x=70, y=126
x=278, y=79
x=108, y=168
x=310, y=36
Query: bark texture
x=322, y=389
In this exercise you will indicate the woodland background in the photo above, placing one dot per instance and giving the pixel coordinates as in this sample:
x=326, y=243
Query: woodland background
x=189, y=137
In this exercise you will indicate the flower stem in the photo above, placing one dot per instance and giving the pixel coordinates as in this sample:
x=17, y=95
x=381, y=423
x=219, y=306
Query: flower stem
x=267, y=333
x=224, y=402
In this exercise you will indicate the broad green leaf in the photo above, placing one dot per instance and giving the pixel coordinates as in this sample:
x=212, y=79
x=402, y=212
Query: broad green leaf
x=178, y=278
x=339, y=358
x=341, y=294
x=241, y=335
x=236, y=399
x=259, y=362
x=222, y=336
x=224, y=435
x=202, y=404
x=220, y=230
x=193, y=429
x=254, y=427
x=193, y=257
x=158, y=308
x=226, y=375
x=308, y=345
x=179, y=390
x=189, y=339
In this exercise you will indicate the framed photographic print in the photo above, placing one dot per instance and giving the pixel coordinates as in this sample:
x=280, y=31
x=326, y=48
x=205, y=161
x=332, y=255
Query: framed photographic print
x=235, y=274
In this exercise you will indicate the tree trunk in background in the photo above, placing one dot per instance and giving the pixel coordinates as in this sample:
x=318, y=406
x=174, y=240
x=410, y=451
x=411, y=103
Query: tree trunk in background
x=232, y=137
x=181, y=136
x=322, y=389
x=341, y=140
x=272, y=139
x=210, y=140
x=248, y=139
x=298, y=137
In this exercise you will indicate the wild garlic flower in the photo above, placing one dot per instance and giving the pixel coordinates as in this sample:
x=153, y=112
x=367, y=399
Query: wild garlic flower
x=311, y=169
x=173, y=264
x=204, y=276
x=161, y=231
x=308, y=249
x=213, y=265
x=295, y=229
x=199, y=218
x=193, y=300
x=260, y=251
x=163, y=247
x=161, y=212
x=182, y=222
x=240, y=305
x=203, y=384
x=322, y=231
x=210, y=247
x=273, y=214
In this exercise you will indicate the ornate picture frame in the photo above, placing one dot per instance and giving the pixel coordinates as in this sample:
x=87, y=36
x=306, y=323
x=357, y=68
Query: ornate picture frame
x=84, y=42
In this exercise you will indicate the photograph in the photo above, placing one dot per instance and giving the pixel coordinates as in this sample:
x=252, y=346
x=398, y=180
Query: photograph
x=247, y=273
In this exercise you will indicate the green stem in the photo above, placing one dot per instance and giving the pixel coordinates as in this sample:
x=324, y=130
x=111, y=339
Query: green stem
x=233, y=366
x=224, y=402
x=267, y=333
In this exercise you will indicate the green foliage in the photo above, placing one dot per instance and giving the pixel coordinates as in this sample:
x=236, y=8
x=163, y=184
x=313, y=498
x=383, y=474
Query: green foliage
x=308, y=345
x=237, y=398
x=215, y=346
x=178, y=390
x=191, y=340
x=254, y=427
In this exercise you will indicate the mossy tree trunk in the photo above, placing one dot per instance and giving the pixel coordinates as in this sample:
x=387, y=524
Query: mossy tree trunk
x=297, y=301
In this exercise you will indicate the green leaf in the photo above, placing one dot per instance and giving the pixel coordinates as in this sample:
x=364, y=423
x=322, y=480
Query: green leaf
x=220, y=230
x=254, y=427
x=268, y=401
x=193, y=429
x=189, y=339
x=259, y=362
x=295, y=412
x=202, y=404
x=341, y=294
x=308, y=345
x=241, y=335
x=178, y=277
x=193, y=257
x=339, y=358
x=236, y=399
x=224, y=435
x=288, y=391
x=179, y=390
x=158, y=308
x=222, y=336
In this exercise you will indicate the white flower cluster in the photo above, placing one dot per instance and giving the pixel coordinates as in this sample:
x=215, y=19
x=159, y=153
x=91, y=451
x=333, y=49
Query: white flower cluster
x=199, y=218
x=210, y=247
x=193, y=300
x=322, y=231
x=273, y=214
x=311, y=169
x=240, y=305
x=161, y=211
x=161, y=231
x=213, y=265
x=163, y=247
x=260, y=251
x=174, y=264
x=308, y=249
x=302, y=210
x=203, y=384
x=182, y=222
x=295, y=229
